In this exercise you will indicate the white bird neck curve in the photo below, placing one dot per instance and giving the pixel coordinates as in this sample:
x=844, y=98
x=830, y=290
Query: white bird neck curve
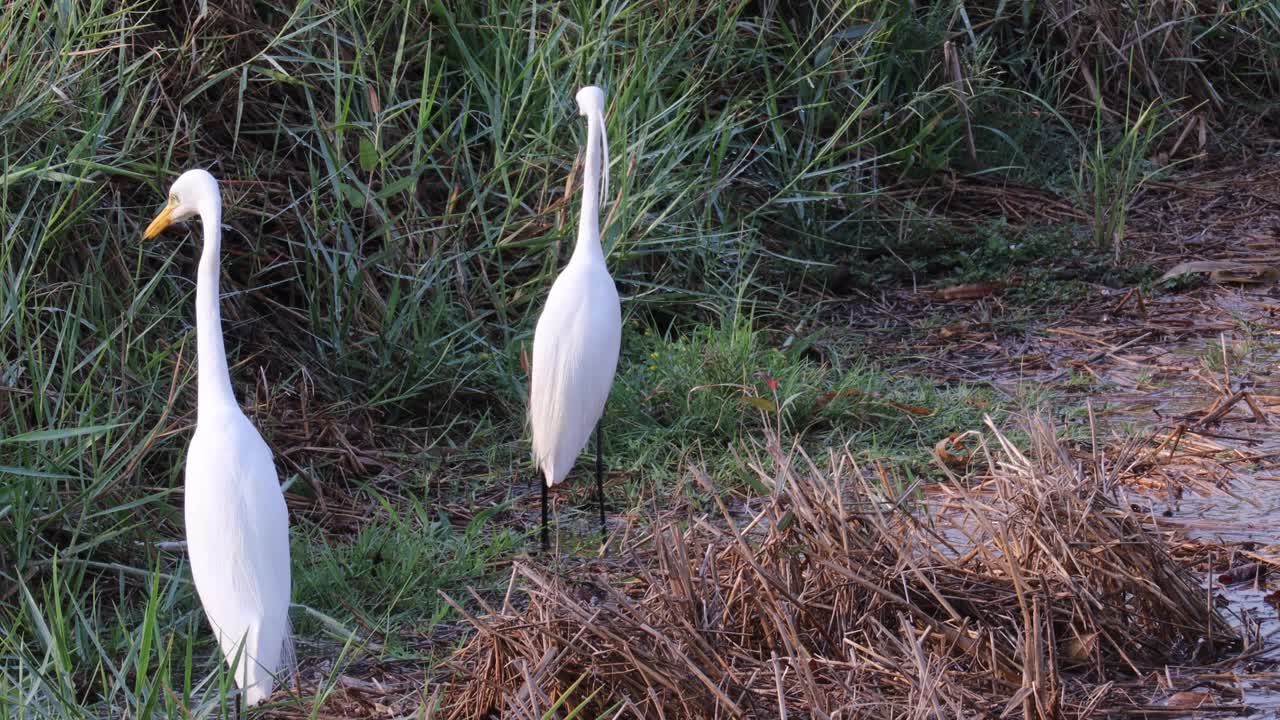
x=588, y=249
x=213, y=391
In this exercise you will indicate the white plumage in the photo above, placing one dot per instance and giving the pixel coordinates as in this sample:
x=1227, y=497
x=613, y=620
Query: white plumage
x=236, y=518
x=576, y=342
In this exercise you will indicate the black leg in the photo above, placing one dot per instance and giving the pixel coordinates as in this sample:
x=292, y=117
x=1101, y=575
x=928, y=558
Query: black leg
x=600, y=480
x=546, y=537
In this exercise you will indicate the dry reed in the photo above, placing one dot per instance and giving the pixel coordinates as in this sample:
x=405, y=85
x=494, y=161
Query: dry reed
x=1027, y=595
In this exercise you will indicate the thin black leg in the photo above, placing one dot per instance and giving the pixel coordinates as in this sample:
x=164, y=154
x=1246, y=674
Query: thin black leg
x=600, y=479
x=546, y=536
x=239, y=698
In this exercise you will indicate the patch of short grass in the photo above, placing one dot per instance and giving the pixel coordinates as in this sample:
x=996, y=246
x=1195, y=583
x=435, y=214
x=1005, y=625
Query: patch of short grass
x=703, y=393
x=384, y=579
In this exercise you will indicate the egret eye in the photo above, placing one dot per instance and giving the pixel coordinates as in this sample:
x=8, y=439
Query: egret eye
x=173, y=200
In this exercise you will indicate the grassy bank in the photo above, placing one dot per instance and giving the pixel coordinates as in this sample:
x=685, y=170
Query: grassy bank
x=400, y=185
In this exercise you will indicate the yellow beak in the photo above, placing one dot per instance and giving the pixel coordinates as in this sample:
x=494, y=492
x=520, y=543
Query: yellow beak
x=157, y=226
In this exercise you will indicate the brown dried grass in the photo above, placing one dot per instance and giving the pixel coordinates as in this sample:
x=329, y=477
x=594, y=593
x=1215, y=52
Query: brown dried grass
x=1125, y=49
x=1028, y=595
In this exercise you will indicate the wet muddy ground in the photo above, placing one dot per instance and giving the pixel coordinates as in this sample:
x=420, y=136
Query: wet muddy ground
x=1182, y=383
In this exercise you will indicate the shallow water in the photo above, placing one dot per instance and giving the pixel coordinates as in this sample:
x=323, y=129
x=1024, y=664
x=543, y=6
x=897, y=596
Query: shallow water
x=1243, y=516
x=1147, y=375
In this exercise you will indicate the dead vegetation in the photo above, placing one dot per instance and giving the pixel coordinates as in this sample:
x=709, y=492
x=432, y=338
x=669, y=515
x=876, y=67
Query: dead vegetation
x=1031, y=594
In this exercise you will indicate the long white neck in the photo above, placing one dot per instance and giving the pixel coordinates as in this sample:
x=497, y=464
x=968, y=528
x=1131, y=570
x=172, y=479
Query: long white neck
x=214, y=390
x=588, y=248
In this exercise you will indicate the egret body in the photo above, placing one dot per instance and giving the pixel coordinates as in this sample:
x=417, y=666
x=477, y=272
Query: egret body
x=237, y=522
x=576, y=342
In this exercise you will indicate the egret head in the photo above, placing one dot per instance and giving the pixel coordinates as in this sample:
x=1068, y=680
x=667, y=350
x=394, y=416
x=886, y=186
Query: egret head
x=590, y=99
x=591, y=107
x=193, y=193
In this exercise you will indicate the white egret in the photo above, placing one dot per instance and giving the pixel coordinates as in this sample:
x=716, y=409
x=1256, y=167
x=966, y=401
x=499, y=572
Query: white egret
x=237, y=522
x=576, y=342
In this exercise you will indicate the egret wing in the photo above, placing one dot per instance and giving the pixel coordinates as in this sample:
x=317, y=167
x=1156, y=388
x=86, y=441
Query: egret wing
x=575, y=355
x=238, y=540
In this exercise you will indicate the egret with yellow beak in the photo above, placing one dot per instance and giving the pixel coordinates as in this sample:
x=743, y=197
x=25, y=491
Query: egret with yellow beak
x=237, y=523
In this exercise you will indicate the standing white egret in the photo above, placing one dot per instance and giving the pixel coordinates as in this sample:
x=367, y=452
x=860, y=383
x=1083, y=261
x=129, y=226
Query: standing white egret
x=575, y=346
x=237, y=522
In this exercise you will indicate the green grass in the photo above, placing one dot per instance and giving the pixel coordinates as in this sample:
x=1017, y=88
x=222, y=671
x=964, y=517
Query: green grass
x=713, y=388
x=395, y=569
x=400, y=189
